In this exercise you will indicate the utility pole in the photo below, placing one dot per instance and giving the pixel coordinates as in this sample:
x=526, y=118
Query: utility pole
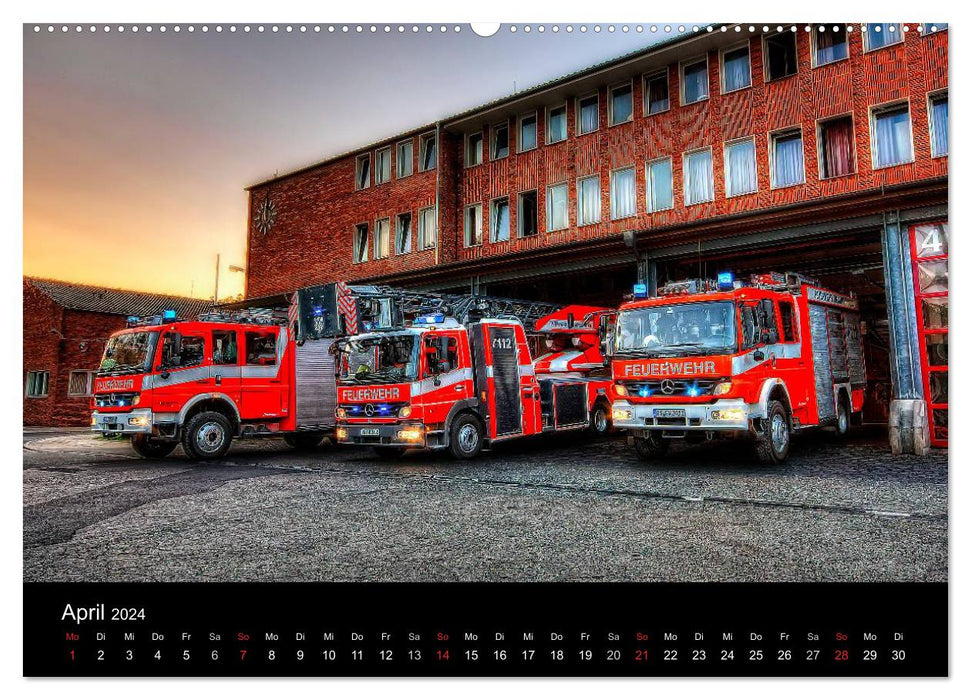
x=215, y=296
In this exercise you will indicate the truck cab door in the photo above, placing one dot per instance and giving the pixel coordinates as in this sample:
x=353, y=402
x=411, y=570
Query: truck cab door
x=264, y=390
x=446, y=374
x=225, y=368
x=181, y=369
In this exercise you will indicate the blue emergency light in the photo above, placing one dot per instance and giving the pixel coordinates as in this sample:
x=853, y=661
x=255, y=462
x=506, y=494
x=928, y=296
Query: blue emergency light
x=430, y=319
x=726, y=281
x=318, y=311
x=132, y=320
x=168, y=315
x=640, y=291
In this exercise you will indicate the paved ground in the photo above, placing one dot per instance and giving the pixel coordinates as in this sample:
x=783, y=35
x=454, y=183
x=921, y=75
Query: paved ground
x=543, y=510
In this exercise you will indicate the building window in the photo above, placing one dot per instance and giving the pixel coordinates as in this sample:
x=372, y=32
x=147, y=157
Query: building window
x=694, y=81
x=621, y=104
x=699, y=181
x=938, y=124
x=499, y=220
x=557, y=207
x=892, y=143
x=527, y=132
x=360, y=243
x=660, y=187
x=500, y=141
x=786, y=159
x=623, y=197
x=402, y=233
x=588, y=114
x=80, y=383
x=405, y=158
x=473, y=225
x=588, y=200
x=382, y=166
x=37, y=384
x=933, y=27
x=740, y=173
x=780, y=56
x=427, y=237
x=656, y=94
x=829, y=45
x=736, y=69
x=362, y=177
x=877, y=36
x=528, y=214
x=382, y=238
x=836, y=149
x=428, y=152
x=473, y=149
x=556, y=124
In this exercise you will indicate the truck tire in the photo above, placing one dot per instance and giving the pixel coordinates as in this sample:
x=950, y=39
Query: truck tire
x=385, y=452
x=600, y=419
x=772, y=444
x=651, y=446
x=207, y=435
x=152, y=448
x=304, y=441
x=465, y=437
x=842, y=416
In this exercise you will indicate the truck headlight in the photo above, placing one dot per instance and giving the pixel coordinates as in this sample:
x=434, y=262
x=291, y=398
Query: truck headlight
x=721, y=388
x=94, y=420
x=410, y=434
x=139, y=420
x=621, y=390
x=341, y=413
x=621, y=414
x=404, y=412
x=136, y=399
x=729, y=414
x=341, y=433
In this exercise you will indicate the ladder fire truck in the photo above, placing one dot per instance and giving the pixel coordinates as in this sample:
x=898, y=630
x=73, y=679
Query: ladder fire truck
x=706, y=359
x=461, y=377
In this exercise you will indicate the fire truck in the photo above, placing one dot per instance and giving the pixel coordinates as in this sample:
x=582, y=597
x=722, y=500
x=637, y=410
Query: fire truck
x=706, y=359
x=464, y=382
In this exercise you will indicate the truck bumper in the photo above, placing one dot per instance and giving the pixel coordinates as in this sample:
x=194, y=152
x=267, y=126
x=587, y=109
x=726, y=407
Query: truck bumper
x=135, y=422
x=393, y=435
x=727, y=415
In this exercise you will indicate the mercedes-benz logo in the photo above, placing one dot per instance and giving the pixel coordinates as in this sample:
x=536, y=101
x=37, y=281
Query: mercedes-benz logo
x=368, y=410
x=667, y=386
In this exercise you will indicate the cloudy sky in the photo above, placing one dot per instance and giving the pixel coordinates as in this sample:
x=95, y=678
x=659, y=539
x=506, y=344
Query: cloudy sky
x=137, y=146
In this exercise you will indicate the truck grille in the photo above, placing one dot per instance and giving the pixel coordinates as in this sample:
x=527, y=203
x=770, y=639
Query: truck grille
x=676, y=387
x=114, y=400
x=372, y=410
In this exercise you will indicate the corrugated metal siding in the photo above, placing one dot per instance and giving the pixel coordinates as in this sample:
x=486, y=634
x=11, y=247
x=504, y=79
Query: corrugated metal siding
x=316, y=386
x=819, y=330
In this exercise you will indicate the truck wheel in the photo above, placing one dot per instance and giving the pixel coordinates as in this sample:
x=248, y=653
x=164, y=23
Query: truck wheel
x=465, y=437
x=842, y=417
x=772, y=444
x=207, y=435
x=600, y=420
x=385, y=452
x=304, y=441
x=651, y=447
x=152, y=448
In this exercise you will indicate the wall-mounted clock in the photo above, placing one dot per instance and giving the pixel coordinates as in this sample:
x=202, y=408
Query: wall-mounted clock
x=265, y=216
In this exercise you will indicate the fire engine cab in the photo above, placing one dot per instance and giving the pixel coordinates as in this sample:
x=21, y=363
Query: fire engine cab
x=706, y=359
x=442, y=384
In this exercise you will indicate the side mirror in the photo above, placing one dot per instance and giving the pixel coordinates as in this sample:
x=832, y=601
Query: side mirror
x=758, y=356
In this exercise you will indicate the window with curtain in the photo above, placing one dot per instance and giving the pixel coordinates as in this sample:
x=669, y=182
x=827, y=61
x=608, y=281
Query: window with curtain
x=891, y=135
x=660, y=188
x=360, y=243
x=473, y=225
x=527, y=133
x=877, y=36
x=402, y=234
x=694, y=81
x=588, y=114
x=588, y=200
x=556, y=124
x=656, y=90
x=830, y=46
x=557, y=207
x=429, y=152
x=382, y=238
x=79, y=382
x=405, y=158
x=699, y=182
x=38, y=383
x=362, y=176
x=836, y=144
x=939, y=125
x=788, y=163
x=500, y=220
x=780, y=56
x=740, y=177
x=473, y=149
x=382, y=170
x=500, y=141
x=622, y=194
x=426, y=228
x=737, y=69
x=621, y=104
x=528, y=214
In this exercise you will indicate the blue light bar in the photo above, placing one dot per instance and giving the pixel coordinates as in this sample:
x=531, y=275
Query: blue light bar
x=169, y=315
x=640, y=291
x=433, y=318
x=726, y=281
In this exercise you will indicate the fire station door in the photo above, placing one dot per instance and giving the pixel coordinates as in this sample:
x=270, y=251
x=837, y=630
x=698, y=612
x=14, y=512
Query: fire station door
x=497, y=376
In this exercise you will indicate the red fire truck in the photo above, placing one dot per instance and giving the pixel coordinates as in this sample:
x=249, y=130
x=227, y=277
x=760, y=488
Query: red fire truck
x=442, y=384
x=706, y=359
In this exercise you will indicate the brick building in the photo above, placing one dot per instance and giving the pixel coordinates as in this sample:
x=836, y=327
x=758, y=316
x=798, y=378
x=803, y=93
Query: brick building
x=65, y=329
x=823, y=152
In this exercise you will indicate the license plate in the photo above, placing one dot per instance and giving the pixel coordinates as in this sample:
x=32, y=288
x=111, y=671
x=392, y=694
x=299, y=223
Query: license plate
x=669, y=413
x=370, y=432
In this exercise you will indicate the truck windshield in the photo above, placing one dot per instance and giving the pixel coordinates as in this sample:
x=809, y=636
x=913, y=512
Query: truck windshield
x=690, y=328
x=128, y=353
x=378, y=359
